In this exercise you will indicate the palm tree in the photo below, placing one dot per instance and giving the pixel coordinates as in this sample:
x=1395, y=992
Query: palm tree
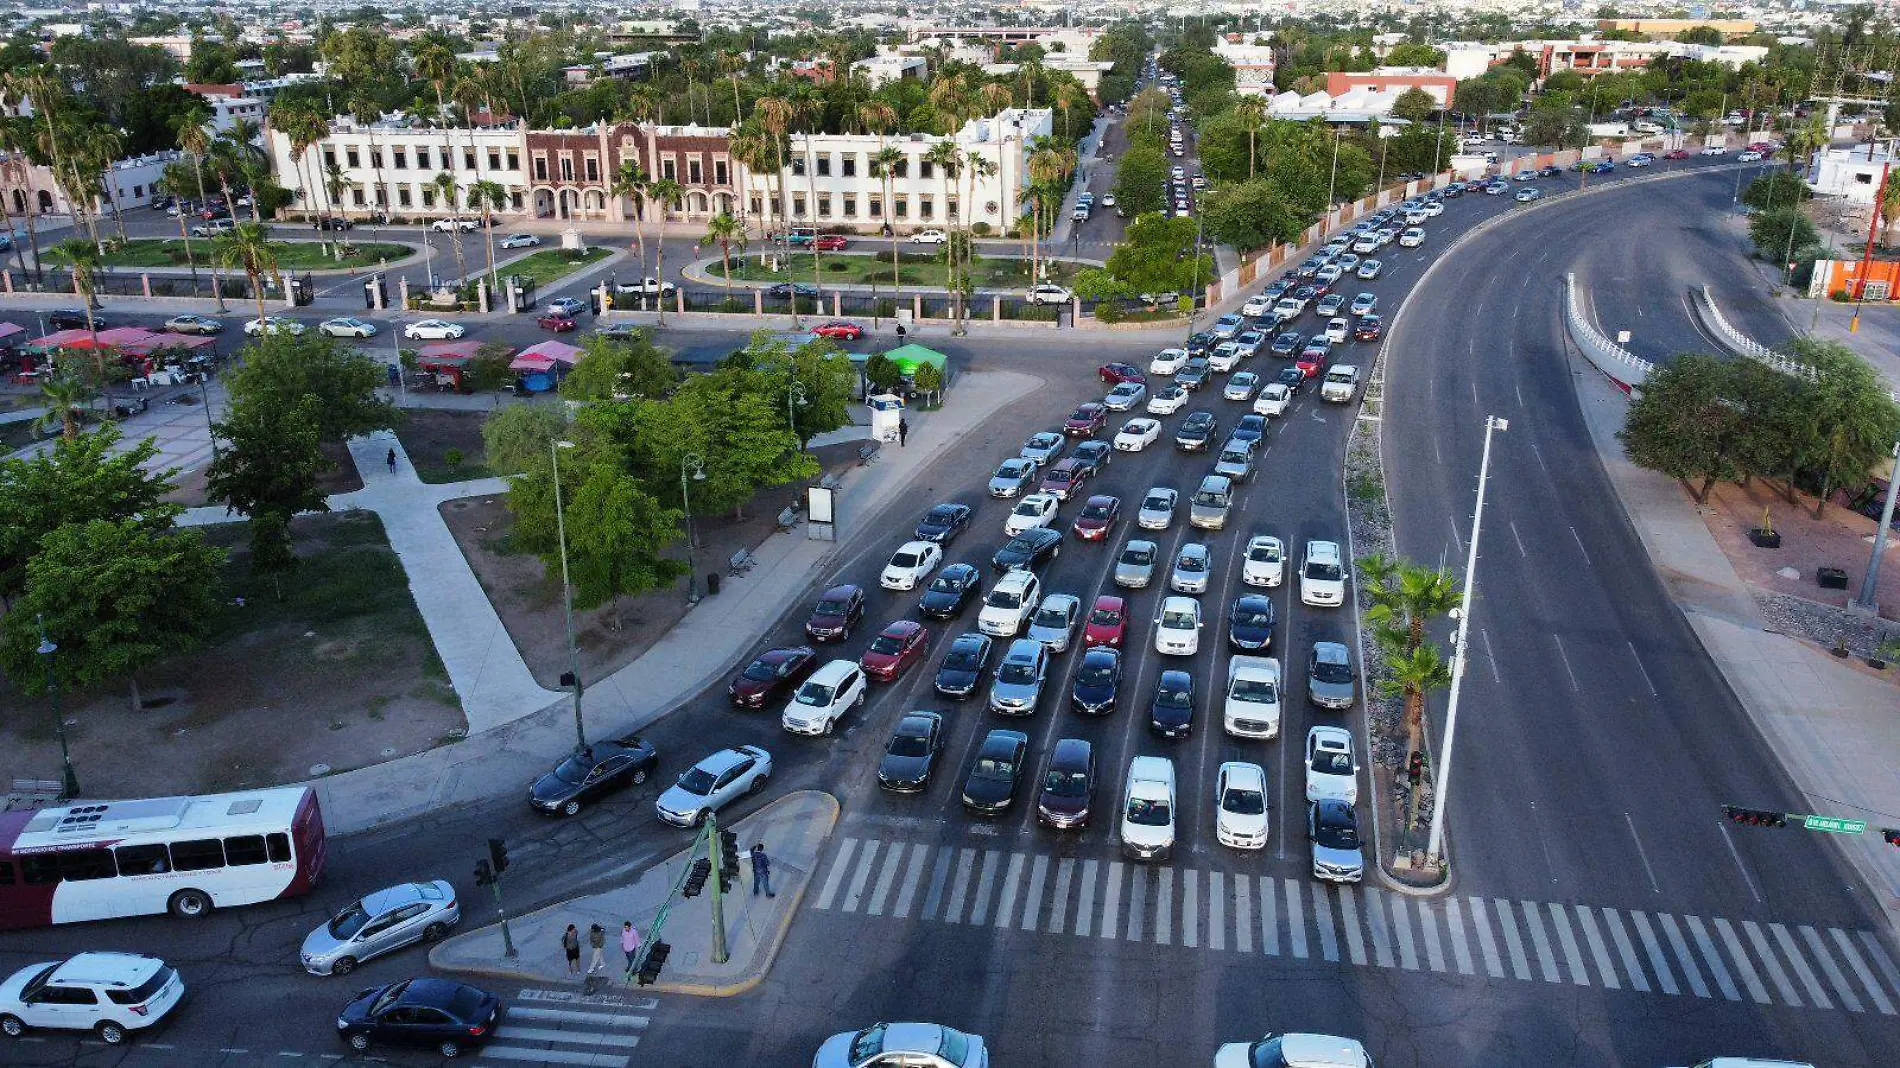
x=65, y=395
x=176, y=180
x=995, y=96
x=945, y=156
x=975, y=165
x=1414, y=674
x=631, y=182
x=16, y=137
x=44, y=88
x=752, y=150
x=1068, y=98
x=486, y=196
x=450, y=190
x=663, y=192
x=725, y=231
x=304, y=128
x=366, y=110
x=1405, y=599
x=102, y=145
x=731, y=64
x=884, y=165
x=84, y=259
x=949, y=98
x=248, y=247
x=1252, y=113
x=238, y=149
x=335, y=182
x=1045, y=171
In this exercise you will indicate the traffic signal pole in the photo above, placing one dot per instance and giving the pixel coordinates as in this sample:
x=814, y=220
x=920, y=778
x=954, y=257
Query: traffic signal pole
x=488, y=873
x=719, y=876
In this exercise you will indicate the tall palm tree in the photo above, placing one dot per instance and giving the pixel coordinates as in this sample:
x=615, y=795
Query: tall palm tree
x=975, y=165
x=1069, y=98
x=450, y=191
x=725, y=231
x=305, y=128
x=16, y=138
x=664, y=192
x=994, y=96
x=84, y=259
x=102, y=145
x=48, y=93
x=1252, y=113
x=631, y=181
x=1405, y=599
x=248, y=247
x=365, y=109
x=949, y=97
x=65, y=395
x=884, y=165
x=486, y=196
x=177, y=179
x=1413, y=675
x=239, y=148
x=468, y=94
x=335, y=182
x=1045, y=171
x=945, y=156
x=752, y=150
x=732, y=64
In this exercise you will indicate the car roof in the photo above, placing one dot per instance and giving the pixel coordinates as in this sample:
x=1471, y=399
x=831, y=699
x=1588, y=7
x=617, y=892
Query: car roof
x=1175, y=679
x=1331, y=652
x=1194, y=548
x=1320, y=550
x=1000, y=741
x=1322, y=1051
x=1243, y=773
x=1023, y=649
x=1109, y=600
x=437, y=993
x=377, y=902
x=1329, y=736
x=844, y=590
x=1178, y=603
x=1015, y=578
x=1070, y=753
x=919, y=720
x=1102, y=499
x=900, y=627
x=833, y=672
x=1062, y=599
x=106, y=968
x=970, y=638
x=715, y=763
x=916, y=546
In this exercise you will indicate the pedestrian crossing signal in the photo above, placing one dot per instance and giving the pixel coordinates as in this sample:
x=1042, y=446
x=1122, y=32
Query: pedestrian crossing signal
x=650, y=966
x=1755, y=817
x=696, y=878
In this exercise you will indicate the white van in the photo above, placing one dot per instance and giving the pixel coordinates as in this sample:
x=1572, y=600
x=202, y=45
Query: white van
x=1148, y=809
x=1209, y=506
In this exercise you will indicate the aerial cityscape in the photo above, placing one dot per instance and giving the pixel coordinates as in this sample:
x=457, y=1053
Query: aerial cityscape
x=714, y=534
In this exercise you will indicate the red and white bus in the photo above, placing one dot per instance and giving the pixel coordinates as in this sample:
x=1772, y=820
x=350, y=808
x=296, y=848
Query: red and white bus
x=97, y=860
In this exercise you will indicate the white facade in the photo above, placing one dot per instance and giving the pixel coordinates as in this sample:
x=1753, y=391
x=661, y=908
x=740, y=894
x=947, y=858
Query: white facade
x=888, y=67
x=1356, y=105
x=1253, y=66
x=226, y=110
x=132, y=183
x=1850, y=172
x=388, y=168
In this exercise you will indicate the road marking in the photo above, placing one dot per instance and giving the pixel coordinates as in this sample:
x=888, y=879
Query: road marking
x=1460, y=948
x=835, y=877
x=980, y=904
x=1568, y=943
x=1514, y=537
x=1243, y=911
x=1085, y=907
x=1683, y=959
x=1834, y=976
x=919, y=860
x=1520, y=395
x=1631, y=966
x=893, y=862
x=1349, y=919
x=1006, y=910
x=1860, y=971
x=1773, y=964
x=1216, y=911
x=1485, y=942
x=1112, y=900
x=1402, y=931
x=966, y=861
x=1137, y=903
x=1434, y=952
x=1164, y=907
x=1546, y=959
x=549, y=1034
x=934, y=896
x=1323, y=921
x=1641, y=854
x=1743, y=966
x=1513, y=942
x=1645, y=671
x=1816, y=996
x=1565, y=657
x=1033, y=904
x=866, y=862
x=553, y=1056
x=1657, y=961
x=1490, y=657
x=1058, y=909
x=1381, y=932
x=1598, y=951
x=1579, y=540
x=1881, y=960
x=1739, y=866
x=1713, y=958
x=591, y=1019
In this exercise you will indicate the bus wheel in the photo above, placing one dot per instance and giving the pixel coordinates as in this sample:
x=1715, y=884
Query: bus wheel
x=190, y=904
x=12, y=1026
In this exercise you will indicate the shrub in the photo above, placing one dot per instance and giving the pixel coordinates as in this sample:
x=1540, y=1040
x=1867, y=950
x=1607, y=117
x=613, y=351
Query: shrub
x=837, y=265
x=1110, y=311
x=452, y=457
x=981, y=229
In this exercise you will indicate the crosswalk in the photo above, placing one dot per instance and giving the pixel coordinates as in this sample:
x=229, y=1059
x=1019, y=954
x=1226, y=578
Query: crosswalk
x=569, y=1028
x=1683, y=955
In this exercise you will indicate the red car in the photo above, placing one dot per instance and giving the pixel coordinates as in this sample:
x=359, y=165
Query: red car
x=828, y=242
x=1108, y=622
x=1085, y=420
x=556, y=322
x=895, y=648
x=1312, y=360
x=1116, y=373
x=775, y=671
x=841, y=329
x=1098, y=517
x=1680, y=153
x=1368, y=329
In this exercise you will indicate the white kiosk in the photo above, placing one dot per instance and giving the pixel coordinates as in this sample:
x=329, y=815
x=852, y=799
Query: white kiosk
x=887, y=410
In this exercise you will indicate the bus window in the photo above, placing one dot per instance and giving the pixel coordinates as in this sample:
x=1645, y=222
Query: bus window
x=244, y=849
x=198, y=855
x=143, y=860
x=39, y=870
x=81, y=864
x=279, y=844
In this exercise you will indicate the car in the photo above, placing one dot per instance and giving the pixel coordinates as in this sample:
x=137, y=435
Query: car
x=896, y=647
x=990, y=787
x=1330, y=304
x=1030, y=549
x=1167, y=400
x=1211, y=502
x=1368, y=328
x=1250, y=428
x=837, y=611
x=334, y=222
x=1331, y=770
x=1364, y=303
x=73, y=319
x=1227, y=326
x=1328, y=274
x=943, y=523
x=193, y=324
x=949, y=592
x=1191, y=567
x=1011, y=476
x=1055, y=621
x=829, y=242
x=1293, y=1051
x=910, y=564
x=928, y=237
x=346, y=326
x=1137, y=434
x=1257, y=306
x=591, y=771
x=109, y=994
x=1329, y=676
x=963, y=665
x=1125, y=396
x=1171, y=709
x=1714, y=150
x=1338, y=857
x=841, y=329
x=1495, y=189
x=1241, y=386
x=1240, y=805
x=1107, y=622
x=1098, y=517
x=518, y=241
x=555, y=321
x=1147, y=824
x=1195, y=374
x=1347, y=261
x=1199, y=342
x=440, y=1014
x=897, y=1044
x=214, y=227
x=1337, y=330
x=1235, y=460
x=1157, y=508
x=1168, y=361
x=1525, y=196
x=1068, y=785
x=1035, y=510
x=1290, y=377
x=273, y=324
x=1108, y=200
x=834, y=689
x=433, y=330
x=1017, y=686
x=1178, y=631
x=1313, y=356
x=1274, y=397
x=1196, y=432
x=653, y=287
x=1065, y=479
x=1603, y=166
x=1009, y=603
x=378, y=923
x=1678, y=153
x=1433, y=209
x=450, y=226
x=786, y=290
x=1640, y=159
x=1264, y=563
x=1048, y=293
x=1091, y=457
x=1749, y=156
x=1114, y=374
x=771, y=673
x=911, y=754
x=1286, y=343
x=1366, y=244
x=1043, y=447
x=1250, y=622
x=1134, y=568
x=1322, y=575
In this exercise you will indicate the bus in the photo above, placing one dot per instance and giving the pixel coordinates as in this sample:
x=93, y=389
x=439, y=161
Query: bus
x=97, y=860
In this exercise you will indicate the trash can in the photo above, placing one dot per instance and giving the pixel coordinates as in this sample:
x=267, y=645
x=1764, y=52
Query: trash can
x=712, y=584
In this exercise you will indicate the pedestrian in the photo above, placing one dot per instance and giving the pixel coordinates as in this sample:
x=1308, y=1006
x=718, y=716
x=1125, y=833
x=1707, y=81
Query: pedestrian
x=629, y=943
x=900, y=331
x=571, y=945
x=903, y=431
x=761, y=871
x=391, y=461
x=597, y=940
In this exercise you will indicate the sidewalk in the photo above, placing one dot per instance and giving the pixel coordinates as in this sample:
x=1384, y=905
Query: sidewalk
x=1833, y=727
x=794, y=829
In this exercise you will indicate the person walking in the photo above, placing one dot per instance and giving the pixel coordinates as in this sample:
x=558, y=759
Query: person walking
x=571, y=945
x=903, y=430
x=597, y=941
x=629, y=944
x=761, y=871
x=391, y=461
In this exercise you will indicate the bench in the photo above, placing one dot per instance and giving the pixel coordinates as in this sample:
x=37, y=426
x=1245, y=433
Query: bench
x=787, y=519
x=831, y=481
x=740, y=562
x=867, y=452
x=39, y=789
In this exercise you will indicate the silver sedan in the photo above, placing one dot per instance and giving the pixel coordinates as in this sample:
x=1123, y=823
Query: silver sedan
x=378, y=923
x=712, y=783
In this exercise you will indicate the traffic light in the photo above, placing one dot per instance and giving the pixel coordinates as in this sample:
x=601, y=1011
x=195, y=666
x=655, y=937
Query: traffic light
x=1755, y=817
x=650, y=966
x=484, y=875
x=696, y=878
x=498, y=854
x=728, y=860
x=1415, y=768
x=1891, y=835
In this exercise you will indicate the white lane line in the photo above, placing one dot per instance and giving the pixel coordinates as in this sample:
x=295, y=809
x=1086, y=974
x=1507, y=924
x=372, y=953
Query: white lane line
x=1059, y=908
x=1645, y=671
x=1881, y=960
x=1683, y=959
x=1137, y=904
x=960, y=887
x=1378, y=927
x=1771, y=962
x=1632, y=967
x=1834, y=976
x=938, y=875
x=590, y=1019
x=1657, y=962
x=1349, y=922
x=1739, y=866
x=839, y=865
x=1816, y=996
x=1580, y=548
x=1460, y=945
x=1164, y=907
x=1641, y=853
x=1401, y=930
x=1514, y=537
x=1006, y=908
x=1598, y=951
x=1032, y=904
x=572, y=1038
x=1714, y=959
x=919, y=860
x=1243, y=910
x=893, y=861
x=1490, y=657
x=1190, y=908
x=1565, y=657
x=1428, y=929
x=1085, y=907
x=1111, y=901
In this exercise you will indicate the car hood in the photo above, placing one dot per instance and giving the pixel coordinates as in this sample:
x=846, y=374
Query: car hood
x=940, y=599
x=902, y=768
x=956, y=678
x=552, y=788
x=932, y=531
x=1095, y=693
x=1063, y=805
x=1250, y=635
x=1009, y=555
x=1049, y=635
x=1169, y=715
x=1015, y=691
x=872, y=659
x=676, y=799
x=10, y=989
x=1344, y=858
x=358, y=1008
x=318, y=943
x=819, y=619
x=744, y=687
x=987, y=791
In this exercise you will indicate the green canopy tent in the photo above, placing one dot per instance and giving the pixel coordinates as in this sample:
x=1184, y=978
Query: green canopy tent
x=910, y=357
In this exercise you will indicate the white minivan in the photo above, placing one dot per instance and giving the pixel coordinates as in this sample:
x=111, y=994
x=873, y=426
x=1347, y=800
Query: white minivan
x=1148, y=809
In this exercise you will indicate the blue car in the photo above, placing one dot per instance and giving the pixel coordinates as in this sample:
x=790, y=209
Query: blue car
x=1602, y=166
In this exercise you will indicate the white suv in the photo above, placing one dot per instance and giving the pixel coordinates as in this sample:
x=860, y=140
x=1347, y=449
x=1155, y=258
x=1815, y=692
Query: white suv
x=110, y=994
x=825, y=697
x=1009, y=603
x=1322, y=575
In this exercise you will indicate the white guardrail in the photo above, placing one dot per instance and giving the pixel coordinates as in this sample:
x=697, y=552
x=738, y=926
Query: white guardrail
x=1622, y=367
x=1748, y=346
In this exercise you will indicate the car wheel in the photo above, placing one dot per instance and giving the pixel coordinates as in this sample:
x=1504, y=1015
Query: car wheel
x=111, y=1033
x=757, y=784
x=189, y=904
x=343, y=966
x=639, y=776
x=12, y=1026
x=359, y=1042
x=449, y=1050
x=572, y=807
x=434, y=932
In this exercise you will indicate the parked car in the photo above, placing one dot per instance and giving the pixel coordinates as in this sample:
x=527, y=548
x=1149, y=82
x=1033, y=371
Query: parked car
x=770, y=674
x=109, y=994
x=202, y=325
x=440, y=1014
x=990, y=787
x=433, y=330
x=589, y=772
x=378, y=923
x=518, y=241
x=840, y=329
x=902, y=1043
x=1240, y=805
x=273, y=325
x=346, y=326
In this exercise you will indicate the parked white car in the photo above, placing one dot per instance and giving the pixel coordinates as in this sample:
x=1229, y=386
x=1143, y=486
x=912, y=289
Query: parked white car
x=1137, y=434
x=1265, y=563
x=518, y=241
x=1240, y=805
x=928, y=237
x=1168, y=361
x=346, y=326
x=1035, y=510
x=273, y=324
x=826, y=696
x=1331, y=770
x=1273, y=399
x=1178, y=632
x=449, y=226
x=434, y=329
x=1147, y=826
x=1049, y=293
x=910, y=564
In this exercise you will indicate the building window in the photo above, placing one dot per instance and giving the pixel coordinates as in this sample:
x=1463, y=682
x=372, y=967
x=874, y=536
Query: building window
x=926, y=169
x=356, y=196
x=798, y=205
x=722, y=175
x=901, y=208
x=798, y=166
x=758, y=206
x=355, y=160
x=494, y=160
x=824, y=165
x=428, y=196
x=694, y=172
x=950, y=208
x=540, y=168
x=593, y=168
x=138, y=191
x=468, y=159
x=514, y=199
x=850, y=206
x=876, y=206
x=775, y=209
x=824, y=205
x=925, y=209
x=849, y=164
x=567, y=168
x=329, y=159
x=514, y=161
x=402, y=196
x=422, y=158
x=902, y=169
x=401, y=158
x=668, y=170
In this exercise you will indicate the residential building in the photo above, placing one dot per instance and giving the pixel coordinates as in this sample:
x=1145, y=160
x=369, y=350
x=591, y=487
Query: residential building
x=127, y=183
x=624, y=66
x=1440, y=85
x=887, y=67
x=1253, y=66
x=1852, y=173
x=228, y=104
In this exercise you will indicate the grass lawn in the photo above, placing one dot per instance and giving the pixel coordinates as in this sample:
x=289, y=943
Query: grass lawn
x=291, y=255
x=989, y=272
x=432, y=438
x=547, y=265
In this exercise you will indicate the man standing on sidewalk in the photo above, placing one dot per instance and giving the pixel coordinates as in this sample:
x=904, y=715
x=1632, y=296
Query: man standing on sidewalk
x=629, y=944
x=903, y=431
x=761, y=871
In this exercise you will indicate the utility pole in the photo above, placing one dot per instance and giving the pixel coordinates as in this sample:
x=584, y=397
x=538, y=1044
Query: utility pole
x=725, y=869
x=1868, y=583
x=488, y=873
x=573, y=678
x=1434, y=849
x=69, y=779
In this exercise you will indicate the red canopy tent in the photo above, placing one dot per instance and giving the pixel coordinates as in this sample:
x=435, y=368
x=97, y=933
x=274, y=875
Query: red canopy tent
x=160, y=342
x=61, y=339
x=124, y=336
x=447, y=361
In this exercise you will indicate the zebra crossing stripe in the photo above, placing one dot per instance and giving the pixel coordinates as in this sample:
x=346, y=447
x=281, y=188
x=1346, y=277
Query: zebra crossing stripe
x=1037, y=872
x=1428, y=926
x=1713, y=958
x=1058, y=909
x=1381, y=933
x=1513, y=942
x=1598, y=951
x=1621, y=937
x=861, y=875
x=1460, y=949
x=1164, y=908
x=1568, y=943
x=1085, y=906
x=1546, y=959
x=919, y=861
x=1216, y=912
x=839, y=865
x=939, y=876
x=1816, y=996
x=1656, y=959
x=960, y=886
x=1296, y=923
x=1743, y=966
x=1486, y=943
x=1112, y=901
x=1881, y=960
x=1349, y=918
x=1833, y=971
x=980, y=901
x=893, y=861
x=1243, y=909
x=1137, y=904
x=1860, y=971
x=1683, y=959
x=1190, y=908
x=1006, y=909
x=1401, y=930
x=1769, y=961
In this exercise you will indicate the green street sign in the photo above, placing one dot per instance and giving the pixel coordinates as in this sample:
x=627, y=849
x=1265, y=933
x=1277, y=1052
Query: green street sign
x=1833, y=824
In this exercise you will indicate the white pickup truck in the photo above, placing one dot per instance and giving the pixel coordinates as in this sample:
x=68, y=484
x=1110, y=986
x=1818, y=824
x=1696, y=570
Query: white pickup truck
x=1253, y=697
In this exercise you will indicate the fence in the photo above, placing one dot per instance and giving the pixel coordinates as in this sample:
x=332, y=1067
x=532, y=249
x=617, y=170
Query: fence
x=139, y=284
x=1616, y=362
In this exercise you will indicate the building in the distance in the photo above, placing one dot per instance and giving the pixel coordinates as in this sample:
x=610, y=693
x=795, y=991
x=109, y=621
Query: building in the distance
x=128, y=183
x=1253, y=66
x=1440, y=85
x=1852, y=173
x=1663, y=29
x=887, y=67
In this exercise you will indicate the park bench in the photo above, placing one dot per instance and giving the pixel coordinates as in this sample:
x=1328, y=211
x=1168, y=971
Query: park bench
x=787, y=519
x=740, y=562
x=867, y=452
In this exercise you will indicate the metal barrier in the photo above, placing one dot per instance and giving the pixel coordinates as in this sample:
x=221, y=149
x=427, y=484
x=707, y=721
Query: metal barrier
x=1616, y=362
x=1746, y=345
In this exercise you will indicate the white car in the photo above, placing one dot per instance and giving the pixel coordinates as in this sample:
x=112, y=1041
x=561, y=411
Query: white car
x=1295, y=1051
x=645, y=287
x=1137, y=434
x=1168, y=361
x=109, y=994
x=1225, y=357
x=1265, y=561
x=1331, y=770
x=831, y=691
x=1050, y=293
x=714, y=782
x=346, y=326
x=1434, y=208
x=449, y=226
x=434, y=329
x=273, y=324
x=928, y=237
x=1157, y=509
x=1035, y=510
x=1167, y=400
x=1240, y=805
x=1338, y=330
x=1178, y=631
x=1009, y=603
x=518, y=241
x=1749, y=156
x=1413, y=237
x=1108, y=200
x=1147, y=827
x=1256, y=306
x=1715, y=150
x=1125, y=396
x=1322, y=575
x=910, y=564
x=1273, y=400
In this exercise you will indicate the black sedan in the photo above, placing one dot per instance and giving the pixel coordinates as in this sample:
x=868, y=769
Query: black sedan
x=72, y=319
x=943, y=523
x=990, y=787
x=442, y=1015
x=1196, y=431
x=1291, y=377
x=591, y=771
x=1030, y=549
x=950, y=591
x=787, y=289
x=964, y=665
x=1193, y=376
x=1287, y=343
x=911, y=753
x=1093, y=456
x=1171, y=714
x=1097, y=682
x=1202, y=342
x=1250, y=622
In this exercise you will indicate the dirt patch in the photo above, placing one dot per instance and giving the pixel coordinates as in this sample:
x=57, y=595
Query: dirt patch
x=340, y=672
x=342, y=477
x=433, y=437
x=1840, y=538
x=528, y=598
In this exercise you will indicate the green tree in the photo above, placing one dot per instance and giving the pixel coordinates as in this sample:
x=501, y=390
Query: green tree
x=1851, y=418
x=77, y=481
x=616, y=368
x=516, y=438
x=882, y=372
x=1775, y=232
x=1157, y=254
x=1414, y=105
x=1686, y=424
x=343, y=382
x=115, y=595
x=267, y=469
x=1095, y=283
x=1776, y=189
x=1140, y=181
x=1413, y=54
x=617, y=534
x=1556, y=127
x=1251, y=215
x=1405, y=599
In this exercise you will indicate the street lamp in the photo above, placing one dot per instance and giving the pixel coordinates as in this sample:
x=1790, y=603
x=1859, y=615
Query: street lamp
x=69, y=778
x=1871, y=580
x=795, y=397
x=567, y=592
x=695, y=463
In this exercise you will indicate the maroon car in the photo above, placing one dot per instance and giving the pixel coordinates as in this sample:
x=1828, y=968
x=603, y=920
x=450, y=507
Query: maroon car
x=1098, y=517
x=895, y=648
x=837, y=611
x=775, y=671
x=1086, y=420
x=556, y=322
x=828, y=242
x=1116, y=373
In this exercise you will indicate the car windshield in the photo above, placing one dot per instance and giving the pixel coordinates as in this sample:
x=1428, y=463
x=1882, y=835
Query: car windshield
x=1144, y=812
x=1052, y=617
x=993, y=768
x=574, y=769
x=1244, y=802
x=1327, y=671
x=1060, y=783
x=1192, y=562
x=1234, y=456
x=1253, y=617
x=760, y=671
x=1254, y=690
x=1323, y=572
x=1335, y=831
x=1010, y=469
x=964, y=659
x=886, y=643
x=830, y=607
x=1327, y=762
x=947, y=583
x=1005, y=598
x=904, y=560
x=1096, y=672
x=349, y=921
x=814, y=693
x=1158, y=503
x=910, y=745
x=1210, y=498
x=1178, y=619
x=1021, y=543
x=1098, y=511
x=1265, y=554
x=1132, y=555
x=941, y=516
x=697, y=780
x=1169, y=697
x=1031, y=508
x=1106, y=617
x=1018, y=672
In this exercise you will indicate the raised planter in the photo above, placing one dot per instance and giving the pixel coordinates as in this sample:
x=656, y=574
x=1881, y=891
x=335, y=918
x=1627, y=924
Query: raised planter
x=1830, y=578
x=1764, y=538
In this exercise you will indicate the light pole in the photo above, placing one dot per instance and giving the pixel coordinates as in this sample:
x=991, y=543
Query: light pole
x=69, y=778
x=1194, y=294
x=1865, y=599
x=794, y=397
x=1332, y=179
x=1434, y=848
x=695, y=463
x=567, y=592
